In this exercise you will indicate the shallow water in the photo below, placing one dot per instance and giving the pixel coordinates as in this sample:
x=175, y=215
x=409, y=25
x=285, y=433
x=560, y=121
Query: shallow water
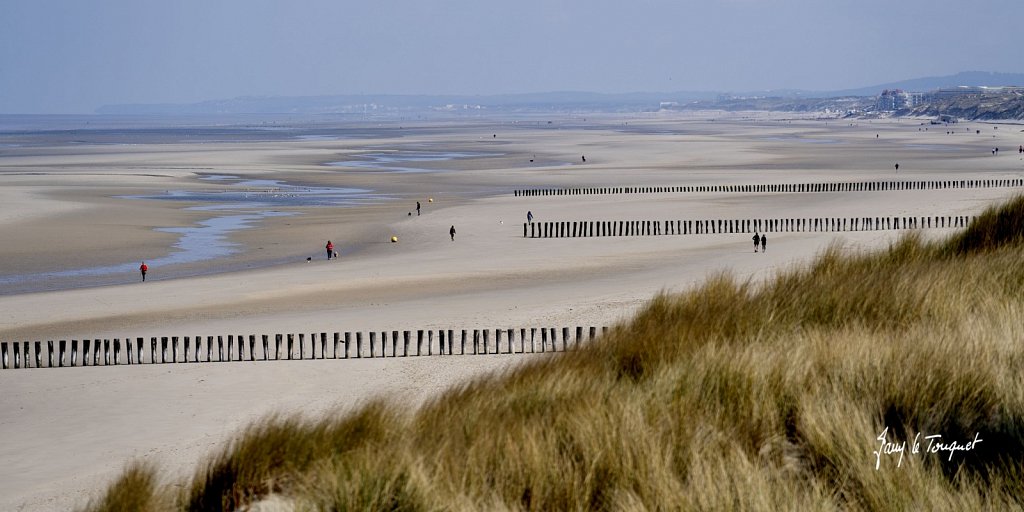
x=239, y=193
x=205, y=241
x=387, y=160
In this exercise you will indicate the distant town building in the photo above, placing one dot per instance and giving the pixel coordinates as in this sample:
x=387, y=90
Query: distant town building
x=892, y=100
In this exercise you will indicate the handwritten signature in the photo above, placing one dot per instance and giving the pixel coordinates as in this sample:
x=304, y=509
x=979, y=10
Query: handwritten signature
x=935, y=445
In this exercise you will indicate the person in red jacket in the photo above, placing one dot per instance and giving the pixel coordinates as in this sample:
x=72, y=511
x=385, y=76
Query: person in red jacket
x=143, y=268
x=330, y=249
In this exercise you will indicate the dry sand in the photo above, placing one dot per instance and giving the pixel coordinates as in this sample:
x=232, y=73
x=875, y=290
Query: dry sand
x=67, y=432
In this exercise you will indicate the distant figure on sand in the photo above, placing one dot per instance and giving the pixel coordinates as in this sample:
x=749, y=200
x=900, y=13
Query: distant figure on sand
x=897, y=167
x=143, y=269
x=330, y=249
x=764, y=243
x=417, y=207
x=529, y=217
x=584, y=158
x=452, y=233
x=757, y=240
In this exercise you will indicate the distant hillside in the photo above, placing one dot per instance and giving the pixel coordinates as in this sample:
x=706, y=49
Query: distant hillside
x=398, y=103
x=970, y=78
x=788, y=100
x=1003, y=105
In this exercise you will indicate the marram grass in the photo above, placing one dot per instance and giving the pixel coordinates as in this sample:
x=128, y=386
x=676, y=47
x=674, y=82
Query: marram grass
x=733, y=396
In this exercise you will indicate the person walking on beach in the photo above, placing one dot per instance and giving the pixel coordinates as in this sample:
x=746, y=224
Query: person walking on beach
x=330, y=249
x=764, y=243
x=452, y=233
x=757, y=240
x=897, y=167
x=529, y=217
x=417, y=207
x=142, y=270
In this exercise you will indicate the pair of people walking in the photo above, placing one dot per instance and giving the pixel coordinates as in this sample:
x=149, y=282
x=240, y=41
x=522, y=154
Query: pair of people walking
x=760, y=239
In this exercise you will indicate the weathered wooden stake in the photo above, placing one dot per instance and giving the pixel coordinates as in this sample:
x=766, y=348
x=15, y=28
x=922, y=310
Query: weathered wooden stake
x=302, y=345
x=373, y=344
x=359, y=344
x=419, y=342
x=348, y=343
x=405, y=343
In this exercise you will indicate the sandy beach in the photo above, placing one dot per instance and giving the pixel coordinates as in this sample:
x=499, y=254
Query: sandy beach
x=80, y=216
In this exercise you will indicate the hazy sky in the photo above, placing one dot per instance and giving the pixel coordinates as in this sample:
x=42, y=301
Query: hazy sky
x=72, y=56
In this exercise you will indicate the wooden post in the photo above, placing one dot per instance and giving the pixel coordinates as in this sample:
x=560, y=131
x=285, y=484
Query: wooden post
x=348, y=343
x=430, y=343
x=163, y=349
x=394, y=343
x=49, y=353
x=476, y=341
x=486, y=342
x=533, y=336
x=240, y=339
x=565, y=339
x=463, y=351
x=522, y=340
x=359, y=344
x=579, y=336
x=291, y=345
x=497, y=341
x=86, y=351
x=3, y=355
x=337, y=339
x=62, y=346
x=252, y=347
x=152, y=350
x=511, y=337
x=419, y=342
x=323, y=345
x=383, y=343
x=440, y=340
x=220, y=347
x=373, y=344
x=405, y=343
x=302, y=345
x=543, y=340
x=266, y=345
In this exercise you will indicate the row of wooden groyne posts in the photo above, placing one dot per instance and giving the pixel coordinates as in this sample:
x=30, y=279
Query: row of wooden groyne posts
x=854, y=186
x=186, y=349
x=577, y=229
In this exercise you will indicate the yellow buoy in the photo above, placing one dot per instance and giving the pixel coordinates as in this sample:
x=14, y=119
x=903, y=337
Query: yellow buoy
x=394, y=239
x=430, y=199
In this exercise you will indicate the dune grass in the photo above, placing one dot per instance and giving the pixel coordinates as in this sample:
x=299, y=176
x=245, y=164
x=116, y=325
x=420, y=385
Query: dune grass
x=731, y=396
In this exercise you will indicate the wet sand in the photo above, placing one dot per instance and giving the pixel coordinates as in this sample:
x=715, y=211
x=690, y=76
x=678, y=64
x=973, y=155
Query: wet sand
x=68, y=431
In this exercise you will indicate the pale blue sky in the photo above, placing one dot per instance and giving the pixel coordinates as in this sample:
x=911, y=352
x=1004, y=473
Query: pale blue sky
x=72, y=56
